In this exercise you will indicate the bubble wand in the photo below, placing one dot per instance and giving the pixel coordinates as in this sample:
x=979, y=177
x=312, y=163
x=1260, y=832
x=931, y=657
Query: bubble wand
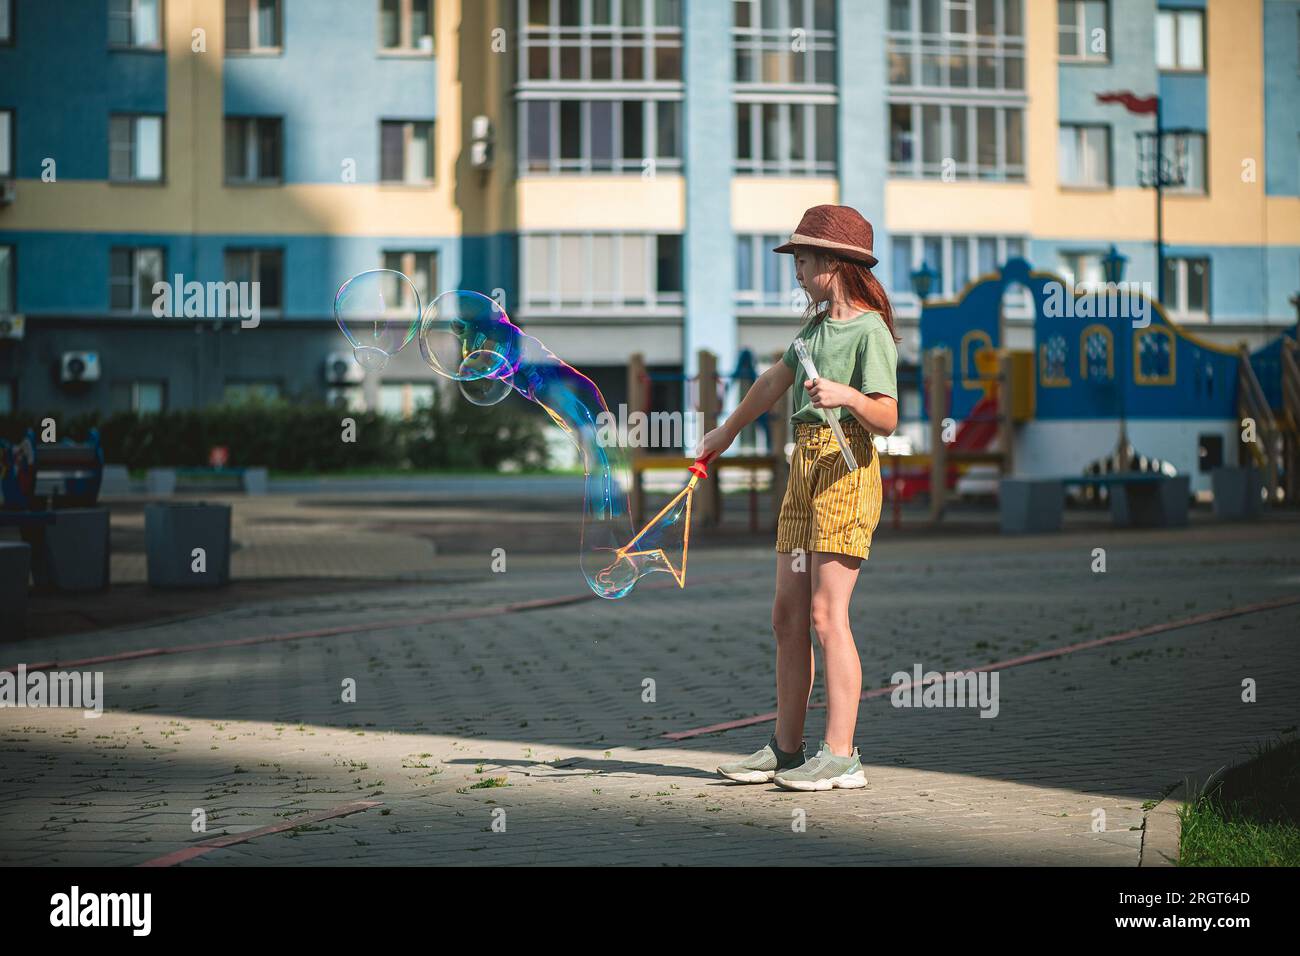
x=676, y=511
x=833, y=420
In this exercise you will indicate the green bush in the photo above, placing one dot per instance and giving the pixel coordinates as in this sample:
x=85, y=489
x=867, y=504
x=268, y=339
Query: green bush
x=284, y=436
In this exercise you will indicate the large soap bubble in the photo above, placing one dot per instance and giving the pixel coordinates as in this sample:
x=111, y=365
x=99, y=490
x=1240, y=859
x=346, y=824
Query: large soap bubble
x=468, y=338
x=379, y=312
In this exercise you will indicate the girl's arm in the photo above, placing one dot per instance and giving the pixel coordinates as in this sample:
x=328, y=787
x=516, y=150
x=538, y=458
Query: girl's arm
x=762, y=395
x=877, y=412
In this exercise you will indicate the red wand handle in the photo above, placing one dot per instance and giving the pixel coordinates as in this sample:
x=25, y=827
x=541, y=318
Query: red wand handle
x=698, y=468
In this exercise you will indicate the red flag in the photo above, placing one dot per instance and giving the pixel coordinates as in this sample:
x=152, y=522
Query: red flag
x=1132, y=102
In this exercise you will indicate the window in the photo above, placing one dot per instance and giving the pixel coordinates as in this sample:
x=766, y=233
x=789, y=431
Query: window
x=406, y=152
x=1187, y=288
x=131, y=276
x=956, y=44
x=6, y=22
x=1180, y=43
x=765, y=279
x=1082, y=30
x=1186, y=150
x=135, y=148
x=421, y=268
x=145, y=398
x=630, y=41
x=1155, y=356
x=250, y=393
x=937, y=140
x=254, y=149
x=785, y=139
x=8, y=291
x=7, y=402
x=586, y=136
x=6, y=144
x=1096, y=354
x=253, y=26
x=404, y=399
x=959, y=261
x=263, y=266
x=135, y=23
x=567, y=271
x=406, y=26
x=1081, y=270
x=1084, y=155
x=762, y=46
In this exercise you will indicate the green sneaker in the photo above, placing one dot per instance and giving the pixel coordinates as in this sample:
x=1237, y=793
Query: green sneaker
x=760, y=767
x=823, y=772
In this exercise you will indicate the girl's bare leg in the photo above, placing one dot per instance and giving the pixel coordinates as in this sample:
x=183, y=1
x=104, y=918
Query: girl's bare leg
x=791, y=614
x=833, y=577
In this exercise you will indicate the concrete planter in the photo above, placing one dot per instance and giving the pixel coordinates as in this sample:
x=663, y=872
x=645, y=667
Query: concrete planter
x=173, y=532
x=77, y=549
x=116, y=481
x=160, y=482
x=1238, y=493
x=15, y=569
x=1031, y=505
x=1151, y=504
x=255, y=481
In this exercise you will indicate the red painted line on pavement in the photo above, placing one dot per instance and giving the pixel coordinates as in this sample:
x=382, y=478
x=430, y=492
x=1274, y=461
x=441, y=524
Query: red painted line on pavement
x=490, y=611
x=1195, y=619
x=207, y=846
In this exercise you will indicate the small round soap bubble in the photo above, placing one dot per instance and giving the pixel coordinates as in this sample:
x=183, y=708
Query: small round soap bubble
x=379, y=313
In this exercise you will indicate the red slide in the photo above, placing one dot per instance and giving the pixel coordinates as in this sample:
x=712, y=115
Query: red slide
x=974, y=434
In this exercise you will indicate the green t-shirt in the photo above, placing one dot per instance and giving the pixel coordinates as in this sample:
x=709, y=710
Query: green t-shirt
x=859, y=352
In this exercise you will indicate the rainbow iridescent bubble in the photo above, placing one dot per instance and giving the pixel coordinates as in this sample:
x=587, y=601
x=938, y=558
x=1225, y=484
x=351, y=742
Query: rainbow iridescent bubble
x=468, y=338
x=379, y=312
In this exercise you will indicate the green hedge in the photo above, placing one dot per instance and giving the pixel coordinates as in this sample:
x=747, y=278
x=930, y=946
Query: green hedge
x=306, y=438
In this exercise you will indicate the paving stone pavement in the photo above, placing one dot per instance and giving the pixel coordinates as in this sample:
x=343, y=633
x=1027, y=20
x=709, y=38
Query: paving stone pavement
x=537, y=721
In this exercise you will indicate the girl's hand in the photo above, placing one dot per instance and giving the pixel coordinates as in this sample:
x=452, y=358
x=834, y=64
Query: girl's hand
x=715, y=442
x=827, y=394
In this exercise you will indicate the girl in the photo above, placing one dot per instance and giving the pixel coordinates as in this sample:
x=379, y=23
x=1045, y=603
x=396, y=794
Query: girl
x=828, y=514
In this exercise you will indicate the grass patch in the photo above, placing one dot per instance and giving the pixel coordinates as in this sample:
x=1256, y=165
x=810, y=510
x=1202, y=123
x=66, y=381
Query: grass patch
x=1250, y=816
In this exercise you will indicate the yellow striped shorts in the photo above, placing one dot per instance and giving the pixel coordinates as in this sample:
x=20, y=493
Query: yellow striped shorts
x=826, y=506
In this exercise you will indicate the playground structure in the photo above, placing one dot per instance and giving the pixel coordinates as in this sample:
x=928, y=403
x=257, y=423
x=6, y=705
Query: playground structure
x=706, y=392
x=1112, y=384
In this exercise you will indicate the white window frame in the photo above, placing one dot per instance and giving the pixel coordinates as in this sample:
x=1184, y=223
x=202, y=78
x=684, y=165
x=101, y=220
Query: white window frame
x=1177, y=17
x=411, y=263
x=551, y=301
x=132, y=148
x=7, y=151
x=253, y=151
x=760, y=41
x=756, y=299
x=1069, y=261
x=1083, y=41
x=1019, y=306
x=553, y=38
x=1087, y=175
x=409, y=178
x=584, y=163
x=784, y=163
x=136, y=389
x=255, y=254
x=945, y=46
x=1195, y=161
x=140, y=304
x=132, y=19
x=970, y=168
x=7, y=22
x=255, y=45
x=406, y=42
x=1177, y=297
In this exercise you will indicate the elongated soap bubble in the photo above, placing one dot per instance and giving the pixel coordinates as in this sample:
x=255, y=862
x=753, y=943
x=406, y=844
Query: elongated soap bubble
x=468, y=338
x=379, y=313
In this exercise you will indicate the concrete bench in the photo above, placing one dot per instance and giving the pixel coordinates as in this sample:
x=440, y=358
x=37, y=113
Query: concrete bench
x=15, y=570
x=173, y=532
x=1162, y=503
x=1238, y=493
x=1031, y=505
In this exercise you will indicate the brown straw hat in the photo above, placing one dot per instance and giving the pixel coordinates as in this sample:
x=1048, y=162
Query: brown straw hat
x=839, y=230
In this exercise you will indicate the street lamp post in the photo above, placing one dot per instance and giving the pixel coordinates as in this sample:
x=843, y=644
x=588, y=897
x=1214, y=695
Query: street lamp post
x=1112, y=267
x=924, y=281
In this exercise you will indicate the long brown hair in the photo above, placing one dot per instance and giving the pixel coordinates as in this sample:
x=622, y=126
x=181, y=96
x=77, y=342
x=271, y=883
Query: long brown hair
x=857, y=285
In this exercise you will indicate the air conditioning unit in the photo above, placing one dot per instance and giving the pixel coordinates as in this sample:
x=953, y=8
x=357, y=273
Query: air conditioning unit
x=342, y=369
x=12, y=326
x=79, y=367
x=480, y=147
x=8, y=192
